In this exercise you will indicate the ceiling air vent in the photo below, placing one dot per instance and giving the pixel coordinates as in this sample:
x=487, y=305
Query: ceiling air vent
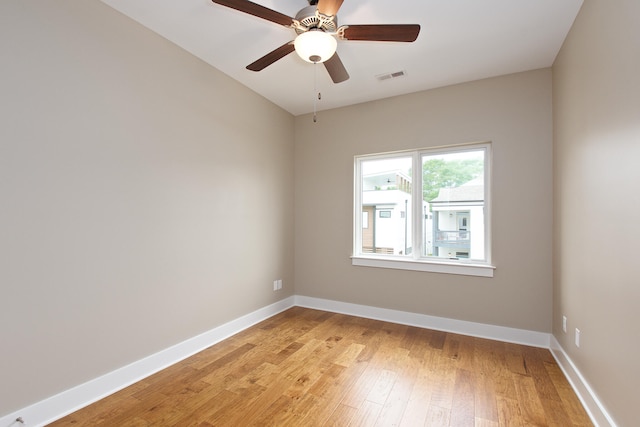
x=389, y=76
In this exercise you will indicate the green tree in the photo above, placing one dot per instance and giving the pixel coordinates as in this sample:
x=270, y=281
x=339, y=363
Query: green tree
x=438, y=173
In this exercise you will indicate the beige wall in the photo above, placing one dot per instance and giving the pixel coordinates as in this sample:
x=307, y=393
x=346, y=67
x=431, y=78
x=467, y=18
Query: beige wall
x=514, y=112
x=597, y=200
x=145, y=197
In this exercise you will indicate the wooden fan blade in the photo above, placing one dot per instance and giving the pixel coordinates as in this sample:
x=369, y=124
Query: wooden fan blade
x=257, y=10
x=329, y=7
x=272, y=57
x=382, y=33
x=336, y=69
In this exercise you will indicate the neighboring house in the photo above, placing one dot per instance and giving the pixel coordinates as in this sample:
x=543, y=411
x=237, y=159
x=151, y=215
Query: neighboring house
x=458, y=221
x=387, y=213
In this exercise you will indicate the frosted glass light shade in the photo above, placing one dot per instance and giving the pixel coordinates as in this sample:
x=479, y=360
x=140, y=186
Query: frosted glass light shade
x=315, y=46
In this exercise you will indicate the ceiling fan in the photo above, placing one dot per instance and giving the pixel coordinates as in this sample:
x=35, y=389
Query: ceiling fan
x=317, y=32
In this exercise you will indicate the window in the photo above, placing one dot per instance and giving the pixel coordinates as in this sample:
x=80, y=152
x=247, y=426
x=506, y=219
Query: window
x=441, y=223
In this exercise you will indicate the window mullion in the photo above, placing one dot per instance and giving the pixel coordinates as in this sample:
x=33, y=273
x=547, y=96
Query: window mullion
x=357, y=208
x=416, y=198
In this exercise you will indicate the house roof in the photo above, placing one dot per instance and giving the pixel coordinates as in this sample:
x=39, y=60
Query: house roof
x=472, y=191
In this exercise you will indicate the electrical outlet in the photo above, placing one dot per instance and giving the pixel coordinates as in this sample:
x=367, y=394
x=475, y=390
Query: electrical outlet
x=275, y=285
x=564, y=324
x=577, y=337
x=279, y=284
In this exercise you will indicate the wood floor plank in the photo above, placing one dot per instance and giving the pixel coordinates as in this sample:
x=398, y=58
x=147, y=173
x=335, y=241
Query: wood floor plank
x=415, y=412
x=529, y=401
x=340, y=416
x=333, y=394
x=443, y=371
x=420, y=345
x=570, y=402
x=535, y=361
x=509, y=414
x=437, y=339
x=366, y=415
x=463, y=405
x=485, y=402
x=466, y=353
x=372, y=338
x=382, y=387
x=205, y=410
x=438, y=417
x=515, y=359
x=481, y=422
x=358, y=394
x=163, y=413
x=350, y=355
x=307, y=367
x=398, y=399
x=555, y=413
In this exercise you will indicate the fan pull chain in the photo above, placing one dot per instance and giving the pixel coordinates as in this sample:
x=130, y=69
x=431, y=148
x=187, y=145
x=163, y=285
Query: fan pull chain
x=315, y=89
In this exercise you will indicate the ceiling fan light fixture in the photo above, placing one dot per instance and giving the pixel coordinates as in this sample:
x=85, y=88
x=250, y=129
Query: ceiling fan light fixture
x=315, y=46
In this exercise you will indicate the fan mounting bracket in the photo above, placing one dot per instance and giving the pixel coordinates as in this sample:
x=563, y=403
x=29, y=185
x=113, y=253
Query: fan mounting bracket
x=340, y=32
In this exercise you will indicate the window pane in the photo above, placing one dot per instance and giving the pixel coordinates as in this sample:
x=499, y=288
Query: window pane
x=453, y=185
x=386, y=201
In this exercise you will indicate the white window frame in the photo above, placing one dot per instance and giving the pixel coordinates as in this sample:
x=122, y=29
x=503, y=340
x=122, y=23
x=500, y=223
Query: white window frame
x=417, y=262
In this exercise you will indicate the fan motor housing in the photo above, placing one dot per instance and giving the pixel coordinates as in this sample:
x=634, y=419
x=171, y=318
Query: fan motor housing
x=309, y=17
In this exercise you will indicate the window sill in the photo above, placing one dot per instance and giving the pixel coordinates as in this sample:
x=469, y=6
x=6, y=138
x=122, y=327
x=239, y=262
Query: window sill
x=481, y=270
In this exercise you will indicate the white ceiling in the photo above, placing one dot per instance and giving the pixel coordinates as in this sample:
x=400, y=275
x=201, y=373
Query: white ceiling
x=459, y=41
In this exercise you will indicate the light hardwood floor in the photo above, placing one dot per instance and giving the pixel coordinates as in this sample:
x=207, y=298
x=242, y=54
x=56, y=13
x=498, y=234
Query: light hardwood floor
x=307, y=367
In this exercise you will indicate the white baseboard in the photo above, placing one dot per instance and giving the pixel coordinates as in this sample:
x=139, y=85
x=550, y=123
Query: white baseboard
x=55, y=407
x=480, y=330
x=596, y=410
